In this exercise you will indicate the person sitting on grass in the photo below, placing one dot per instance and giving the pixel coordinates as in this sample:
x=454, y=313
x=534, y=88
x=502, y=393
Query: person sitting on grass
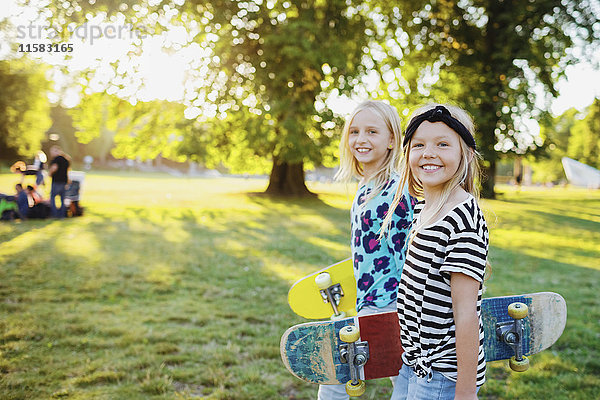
x=38, y=207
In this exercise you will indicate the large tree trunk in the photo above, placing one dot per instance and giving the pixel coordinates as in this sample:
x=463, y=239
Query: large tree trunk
x=287, y=179
x=486, y=145
x=488, y=181
x=486, y=148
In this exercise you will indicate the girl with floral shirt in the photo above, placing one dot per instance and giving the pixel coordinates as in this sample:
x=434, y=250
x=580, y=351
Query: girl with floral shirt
x=370, y=148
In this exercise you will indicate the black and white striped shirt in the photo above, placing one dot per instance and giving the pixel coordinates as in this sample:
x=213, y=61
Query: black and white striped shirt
x=457, y=242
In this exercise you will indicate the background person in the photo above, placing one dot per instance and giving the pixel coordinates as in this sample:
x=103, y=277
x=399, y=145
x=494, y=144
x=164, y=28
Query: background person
x=58, y=170
x=38, y=207
x=22, y=201
x=38, y=166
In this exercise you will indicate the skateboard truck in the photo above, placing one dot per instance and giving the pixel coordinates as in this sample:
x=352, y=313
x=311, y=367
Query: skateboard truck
x=356, y=354
x=331, y=293
x=511, y=333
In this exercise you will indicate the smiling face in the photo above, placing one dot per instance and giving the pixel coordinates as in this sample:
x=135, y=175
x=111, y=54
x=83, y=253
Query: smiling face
x=435, y=156
x=369, y=140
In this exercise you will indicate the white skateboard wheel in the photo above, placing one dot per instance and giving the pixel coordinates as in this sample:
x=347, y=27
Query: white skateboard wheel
x=341, y=315
x=349, y=334
x=323, y=280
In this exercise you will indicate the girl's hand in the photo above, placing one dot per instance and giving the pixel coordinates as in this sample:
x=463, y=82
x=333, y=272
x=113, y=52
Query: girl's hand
x=465, y=395
x=469, y=397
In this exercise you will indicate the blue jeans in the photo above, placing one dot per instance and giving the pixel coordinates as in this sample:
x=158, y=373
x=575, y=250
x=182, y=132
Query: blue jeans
x=409, y=386
x=58, y=189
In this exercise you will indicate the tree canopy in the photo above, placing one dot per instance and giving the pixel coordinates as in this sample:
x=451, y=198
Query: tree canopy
x=584, y=143
x=496, y=58
x=266, y=71
x=265, y=68
x=24, y=108
x=574, y=134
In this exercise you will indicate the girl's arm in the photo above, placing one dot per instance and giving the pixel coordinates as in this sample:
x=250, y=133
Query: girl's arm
x=464, y=291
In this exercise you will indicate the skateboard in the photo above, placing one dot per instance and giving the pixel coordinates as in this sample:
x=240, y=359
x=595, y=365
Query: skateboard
x=351, y=350
x=329, y=292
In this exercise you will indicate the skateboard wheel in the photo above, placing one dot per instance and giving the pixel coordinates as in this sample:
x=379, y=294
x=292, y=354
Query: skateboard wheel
x=349, y=334
x=519, y=366
x=341, y=315
x=323, y=280
x=518, y=310
x=355, y=390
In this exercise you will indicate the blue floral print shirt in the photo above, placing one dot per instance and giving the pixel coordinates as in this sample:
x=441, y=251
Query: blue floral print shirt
x=377, y=266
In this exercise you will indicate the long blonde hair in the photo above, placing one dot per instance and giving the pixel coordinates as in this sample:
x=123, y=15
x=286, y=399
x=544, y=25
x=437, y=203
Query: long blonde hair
x=350, y=168
x=467, y=174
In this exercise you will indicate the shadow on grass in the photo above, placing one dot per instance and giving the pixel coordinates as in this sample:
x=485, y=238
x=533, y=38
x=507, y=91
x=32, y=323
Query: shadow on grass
x=144, y=302
x=516, y=273
x=134, y=290
x=559, y=220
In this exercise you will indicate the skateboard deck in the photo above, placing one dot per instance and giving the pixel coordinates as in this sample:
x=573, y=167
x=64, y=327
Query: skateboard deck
x=305, y=297
x=311, y=351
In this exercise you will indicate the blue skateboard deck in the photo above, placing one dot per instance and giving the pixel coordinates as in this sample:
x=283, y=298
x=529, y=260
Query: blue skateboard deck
x=310, y=350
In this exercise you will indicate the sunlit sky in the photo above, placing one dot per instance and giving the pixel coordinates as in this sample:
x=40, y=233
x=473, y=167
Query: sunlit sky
x=165, y=62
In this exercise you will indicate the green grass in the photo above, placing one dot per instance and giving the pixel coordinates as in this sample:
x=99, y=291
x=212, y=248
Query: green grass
x=175, y=288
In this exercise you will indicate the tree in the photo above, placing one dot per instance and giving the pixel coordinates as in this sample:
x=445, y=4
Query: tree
x=24, y=108
x=62, y=133
x=500, y=52
x=108, y=124
x=584, y=141
x=271, y=65
x=555, y=132
x=95, y=120
x=574, y=134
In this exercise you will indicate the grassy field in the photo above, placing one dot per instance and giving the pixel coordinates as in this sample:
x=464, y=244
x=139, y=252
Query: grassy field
x=175, y=288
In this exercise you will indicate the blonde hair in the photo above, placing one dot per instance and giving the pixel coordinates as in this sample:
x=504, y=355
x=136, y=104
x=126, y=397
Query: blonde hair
x=350, y=167
x=467, y=174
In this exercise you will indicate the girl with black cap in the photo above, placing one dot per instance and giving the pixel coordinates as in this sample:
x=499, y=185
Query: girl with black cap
x=439, y=296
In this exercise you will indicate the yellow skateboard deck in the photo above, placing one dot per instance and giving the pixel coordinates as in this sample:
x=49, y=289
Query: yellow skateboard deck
x=309, y=299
